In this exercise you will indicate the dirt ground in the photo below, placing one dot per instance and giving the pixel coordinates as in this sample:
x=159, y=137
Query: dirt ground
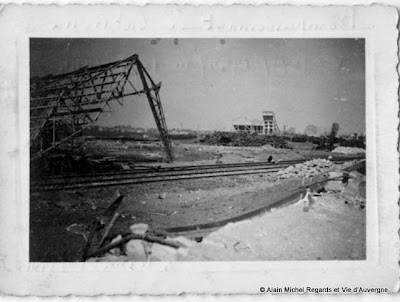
x=185, y=202
x=330, y=230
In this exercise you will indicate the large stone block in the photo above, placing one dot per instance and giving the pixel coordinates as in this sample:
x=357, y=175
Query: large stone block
x=136, y=251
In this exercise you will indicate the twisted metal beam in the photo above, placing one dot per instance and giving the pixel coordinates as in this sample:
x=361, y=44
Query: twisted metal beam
x=77, y=99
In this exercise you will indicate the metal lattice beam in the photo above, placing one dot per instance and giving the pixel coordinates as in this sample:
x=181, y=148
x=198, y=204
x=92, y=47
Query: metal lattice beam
x=77, y=99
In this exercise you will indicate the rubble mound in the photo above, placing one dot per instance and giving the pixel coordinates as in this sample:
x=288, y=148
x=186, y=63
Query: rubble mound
x=243, y=140
x=348, y=150
x=143, y=246
x=308, y=169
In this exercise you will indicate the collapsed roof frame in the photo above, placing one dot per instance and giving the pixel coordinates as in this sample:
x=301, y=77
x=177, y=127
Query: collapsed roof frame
x=77, y=99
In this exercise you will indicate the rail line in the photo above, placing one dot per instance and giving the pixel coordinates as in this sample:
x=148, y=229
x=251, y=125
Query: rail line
x=150, y=174
x=167, y=174
x=177, y=169
x=145, y=169
x=200, y=230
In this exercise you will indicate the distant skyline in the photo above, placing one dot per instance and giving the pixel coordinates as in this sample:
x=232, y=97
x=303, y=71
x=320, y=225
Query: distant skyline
x=207, y=83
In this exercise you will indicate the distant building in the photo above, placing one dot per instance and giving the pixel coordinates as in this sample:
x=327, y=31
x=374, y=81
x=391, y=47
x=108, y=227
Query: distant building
x=179, y=131
x=245, y=125
x=270, y=125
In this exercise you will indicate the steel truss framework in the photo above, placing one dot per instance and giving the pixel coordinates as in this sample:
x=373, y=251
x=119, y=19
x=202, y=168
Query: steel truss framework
x=62, y=106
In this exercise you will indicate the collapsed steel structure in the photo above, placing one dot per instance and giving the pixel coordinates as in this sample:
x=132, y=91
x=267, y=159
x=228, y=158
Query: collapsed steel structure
x=62, y=106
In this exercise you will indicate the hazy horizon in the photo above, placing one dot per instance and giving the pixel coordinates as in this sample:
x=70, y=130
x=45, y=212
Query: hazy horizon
x=207, y=83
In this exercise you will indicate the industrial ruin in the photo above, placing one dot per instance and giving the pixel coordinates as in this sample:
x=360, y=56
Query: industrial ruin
x=132, y=194
x=268, y=127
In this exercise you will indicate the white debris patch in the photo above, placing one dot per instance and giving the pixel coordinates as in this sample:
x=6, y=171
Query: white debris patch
x=348, y=150
x=307, y=169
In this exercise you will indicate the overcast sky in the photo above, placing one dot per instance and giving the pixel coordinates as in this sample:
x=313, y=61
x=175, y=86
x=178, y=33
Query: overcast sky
x=206, y=83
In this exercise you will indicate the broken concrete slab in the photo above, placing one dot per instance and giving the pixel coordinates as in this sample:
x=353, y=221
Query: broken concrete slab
x=135, y=250
x=139, y=228
x=161, y=252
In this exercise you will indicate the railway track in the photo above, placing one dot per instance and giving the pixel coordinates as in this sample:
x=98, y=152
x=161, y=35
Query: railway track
x=158, y=174
x=200, y=230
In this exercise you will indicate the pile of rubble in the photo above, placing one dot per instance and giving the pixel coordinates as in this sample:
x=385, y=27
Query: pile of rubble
x=141, y=245
x=308, y=169
x=348, y=150
x=243, y=140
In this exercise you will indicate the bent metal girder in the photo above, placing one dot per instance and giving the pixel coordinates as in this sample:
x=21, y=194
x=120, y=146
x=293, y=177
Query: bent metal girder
x=62, y=106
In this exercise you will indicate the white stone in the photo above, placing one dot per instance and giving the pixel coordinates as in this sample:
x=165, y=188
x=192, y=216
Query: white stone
x=115, y=251
x=136, y=251
x=161, y=252
x=184, y=240
x=139, y=228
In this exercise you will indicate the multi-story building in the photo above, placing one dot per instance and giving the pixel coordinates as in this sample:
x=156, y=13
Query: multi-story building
x=242, y=124
x=267, y=127
x=270, y=125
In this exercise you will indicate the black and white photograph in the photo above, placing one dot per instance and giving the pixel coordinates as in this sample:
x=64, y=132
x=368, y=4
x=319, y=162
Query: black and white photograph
x=197, y=149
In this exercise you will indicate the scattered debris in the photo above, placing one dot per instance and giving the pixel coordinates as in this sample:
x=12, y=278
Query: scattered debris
x=91, y=204
x=136, y=247
x=139, y=228
x=156, y=213
x=243, y=139
x=162, y=195
x=98, y=224
x=109, y=227
x=79, y=229
x=121, y=247
x=348, y=150
x=307, y=201
x=308, y=169
x=115, y=251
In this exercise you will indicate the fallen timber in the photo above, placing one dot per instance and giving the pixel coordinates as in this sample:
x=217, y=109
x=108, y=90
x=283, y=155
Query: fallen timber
x=128, y=237
x=169, y=174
